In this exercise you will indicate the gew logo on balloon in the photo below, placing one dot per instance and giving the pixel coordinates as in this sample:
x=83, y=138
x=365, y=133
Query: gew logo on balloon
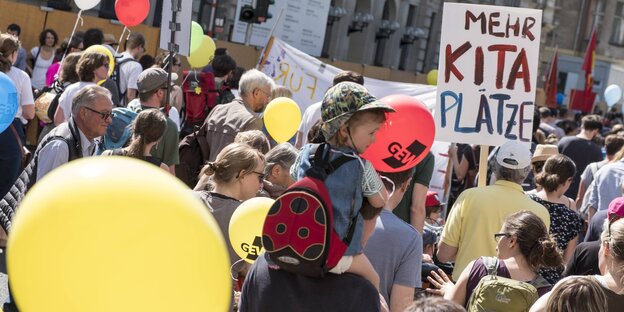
x=252, y=250
x=401, y=156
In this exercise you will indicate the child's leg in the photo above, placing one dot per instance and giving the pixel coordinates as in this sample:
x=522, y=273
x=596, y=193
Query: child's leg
x=362, y=267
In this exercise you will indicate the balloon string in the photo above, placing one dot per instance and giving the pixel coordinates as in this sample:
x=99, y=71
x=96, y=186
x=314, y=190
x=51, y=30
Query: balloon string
x=232, y=268
x=120, y=39
x=78, y=19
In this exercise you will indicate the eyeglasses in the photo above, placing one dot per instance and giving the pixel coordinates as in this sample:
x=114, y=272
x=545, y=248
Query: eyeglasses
x=265, y=93
x=106, y=65
x=260, y=176
x=104, y=116
x=497, y=236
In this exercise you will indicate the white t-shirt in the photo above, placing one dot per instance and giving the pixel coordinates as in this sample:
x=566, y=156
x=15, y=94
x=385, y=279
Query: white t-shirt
x=65, y=100
x=40, y=70
x=311, y=115
x=129, y=74
x=24, y=91
x=174, y=115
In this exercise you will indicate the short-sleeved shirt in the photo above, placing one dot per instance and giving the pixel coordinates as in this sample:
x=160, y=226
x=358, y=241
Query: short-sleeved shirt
x=565, y=225
x=422, y=175
x=607, y=185
x=478, y=214
x=479, y=271
x=129, y=75
x=268, y=290
x=24, y=90
x=584, y=260
x=583, y=152
x=65, y=100
x=397, y=261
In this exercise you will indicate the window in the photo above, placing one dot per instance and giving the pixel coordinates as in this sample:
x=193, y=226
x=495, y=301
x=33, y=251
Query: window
x=617, y=28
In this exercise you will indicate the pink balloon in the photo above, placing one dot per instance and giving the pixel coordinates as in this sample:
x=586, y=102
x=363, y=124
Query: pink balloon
x=406, y=137
x=132, y=12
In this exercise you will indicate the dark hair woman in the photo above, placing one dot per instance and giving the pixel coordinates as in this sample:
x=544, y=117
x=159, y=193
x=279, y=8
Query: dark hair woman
x=565, y=222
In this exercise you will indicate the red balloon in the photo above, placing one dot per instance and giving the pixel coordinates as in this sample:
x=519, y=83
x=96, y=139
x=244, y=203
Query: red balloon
x=405, y=138
x=132, y=12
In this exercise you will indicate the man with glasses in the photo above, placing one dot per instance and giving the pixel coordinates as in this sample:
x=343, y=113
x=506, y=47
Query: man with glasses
x=479, y=212
x=242, y=114
x=91, y=114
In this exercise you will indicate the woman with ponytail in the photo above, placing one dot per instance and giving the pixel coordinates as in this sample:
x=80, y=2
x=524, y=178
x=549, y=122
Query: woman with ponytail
x=565, y=223
x=524, y=246
x=147, y=129
x=13, y=138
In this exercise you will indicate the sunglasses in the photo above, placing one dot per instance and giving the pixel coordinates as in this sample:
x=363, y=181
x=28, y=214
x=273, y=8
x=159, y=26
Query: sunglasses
x=104, y=116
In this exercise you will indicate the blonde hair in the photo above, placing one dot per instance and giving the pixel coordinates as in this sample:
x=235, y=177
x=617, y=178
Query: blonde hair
x=578, y=293
x=233, y=159
x=613, y=233
x=8, y=45
x=255, y=139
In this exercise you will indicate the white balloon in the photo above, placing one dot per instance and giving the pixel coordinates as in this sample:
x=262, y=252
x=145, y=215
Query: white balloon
x=86, y=4
x=612, y=94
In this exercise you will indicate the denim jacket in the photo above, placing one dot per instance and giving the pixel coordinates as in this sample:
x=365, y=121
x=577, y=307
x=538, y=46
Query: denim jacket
x=345, y=191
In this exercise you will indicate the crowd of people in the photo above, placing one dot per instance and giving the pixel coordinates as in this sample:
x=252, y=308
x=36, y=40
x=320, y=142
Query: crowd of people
x=547, y=225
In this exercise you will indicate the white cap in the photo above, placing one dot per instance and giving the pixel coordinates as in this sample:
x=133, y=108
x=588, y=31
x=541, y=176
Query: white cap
x=514, y=155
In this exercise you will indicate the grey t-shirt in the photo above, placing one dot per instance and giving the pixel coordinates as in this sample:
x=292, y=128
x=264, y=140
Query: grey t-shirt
x=395, y=250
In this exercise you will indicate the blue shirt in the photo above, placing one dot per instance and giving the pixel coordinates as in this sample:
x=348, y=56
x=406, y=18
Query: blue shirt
x=21, y=59
x=607, y=185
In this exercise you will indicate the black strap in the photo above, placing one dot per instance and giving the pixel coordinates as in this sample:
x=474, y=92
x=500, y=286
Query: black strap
x=17, y=138
x=35, y=59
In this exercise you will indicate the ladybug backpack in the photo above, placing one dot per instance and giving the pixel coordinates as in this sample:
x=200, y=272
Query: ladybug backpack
x=298, y=233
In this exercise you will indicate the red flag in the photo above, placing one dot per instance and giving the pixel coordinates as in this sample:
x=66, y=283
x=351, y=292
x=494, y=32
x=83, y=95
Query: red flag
x=588, y=62
x=550, y=87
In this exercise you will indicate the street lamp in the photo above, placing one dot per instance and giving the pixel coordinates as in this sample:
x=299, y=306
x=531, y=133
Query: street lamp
x=411, y=35
x=359, y=22
x=335, y=14
x=387, y=28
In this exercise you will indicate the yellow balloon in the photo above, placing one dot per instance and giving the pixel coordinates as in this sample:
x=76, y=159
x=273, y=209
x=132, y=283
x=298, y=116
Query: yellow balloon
x=246, y=227
x=432, y=77
x=282, y=118
x=204, y=54
x=103, y=49
x=116, y=234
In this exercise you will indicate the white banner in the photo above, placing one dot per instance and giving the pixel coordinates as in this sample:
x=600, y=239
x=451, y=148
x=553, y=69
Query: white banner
x=182, y=37
x=308, y=78
x=487, y=74
x=302, y=25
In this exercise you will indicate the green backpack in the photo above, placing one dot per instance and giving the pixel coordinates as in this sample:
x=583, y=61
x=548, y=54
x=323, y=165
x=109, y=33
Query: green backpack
x=496, y=293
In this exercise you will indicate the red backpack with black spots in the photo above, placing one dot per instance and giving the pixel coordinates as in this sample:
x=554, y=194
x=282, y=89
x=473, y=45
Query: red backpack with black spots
x=298, y=233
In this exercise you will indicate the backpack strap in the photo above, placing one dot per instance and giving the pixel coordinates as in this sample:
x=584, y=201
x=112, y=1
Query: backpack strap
x=540, y=282
x=117, y=71
x=491, y=265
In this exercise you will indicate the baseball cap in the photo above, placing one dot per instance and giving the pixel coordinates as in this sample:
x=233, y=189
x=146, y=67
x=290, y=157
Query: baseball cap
x=151, y=79
x=513, y=155
x=432, y=199
x=544, y=151
x=616, y=208
x=342, y=101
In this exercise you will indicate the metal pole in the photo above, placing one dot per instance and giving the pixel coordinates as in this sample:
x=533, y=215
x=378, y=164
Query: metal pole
x=173, y=48
x=213, y=11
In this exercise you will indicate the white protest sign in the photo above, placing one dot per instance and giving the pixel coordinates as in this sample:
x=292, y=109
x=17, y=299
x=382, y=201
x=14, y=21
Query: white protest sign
x=184, y=18
x=308, y=78
x=302, y=25
x=487, y=74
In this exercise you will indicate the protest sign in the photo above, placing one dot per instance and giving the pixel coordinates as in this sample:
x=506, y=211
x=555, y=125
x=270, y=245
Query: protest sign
x=487, y=74
x=308, y=78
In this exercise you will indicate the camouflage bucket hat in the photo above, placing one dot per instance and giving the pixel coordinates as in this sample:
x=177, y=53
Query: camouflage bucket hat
x=342, y=101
